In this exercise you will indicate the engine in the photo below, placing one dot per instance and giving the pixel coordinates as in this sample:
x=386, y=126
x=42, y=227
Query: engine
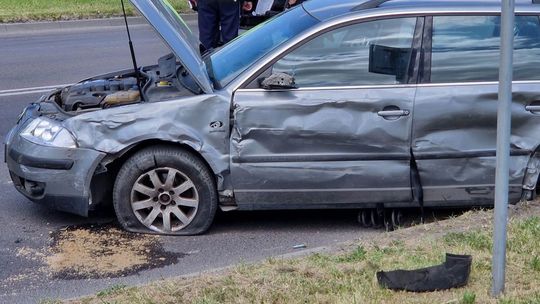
x=100, y=93
x=165, y=81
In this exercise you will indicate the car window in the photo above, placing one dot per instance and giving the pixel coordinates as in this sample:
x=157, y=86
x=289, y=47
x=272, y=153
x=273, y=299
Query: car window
x=466, y=48
x=342, y=57
x=236, y=56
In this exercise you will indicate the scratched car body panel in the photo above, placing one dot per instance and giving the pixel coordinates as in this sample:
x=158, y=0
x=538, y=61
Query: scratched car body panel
x=348, y=105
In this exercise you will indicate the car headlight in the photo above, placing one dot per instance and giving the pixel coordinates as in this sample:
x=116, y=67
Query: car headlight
x=44, y=131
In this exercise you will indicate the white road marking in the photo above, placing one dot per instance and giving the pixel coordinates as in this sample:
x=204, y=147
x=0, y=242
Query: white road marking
x=25, y=91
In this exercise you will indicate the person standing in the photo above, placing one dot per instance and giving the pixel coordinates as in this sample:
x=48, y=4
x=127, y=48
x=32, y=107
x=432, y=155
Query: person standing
x=219, y=21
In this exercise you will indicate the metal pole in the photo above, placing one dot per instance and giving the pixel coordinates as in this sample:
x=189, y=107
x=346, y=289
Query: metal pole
x=504, y=116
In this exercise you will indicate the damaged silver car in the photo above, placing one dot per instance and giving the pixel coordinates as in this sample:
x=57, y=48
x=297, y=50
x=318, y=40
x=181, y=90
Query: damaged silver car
x=332, y=104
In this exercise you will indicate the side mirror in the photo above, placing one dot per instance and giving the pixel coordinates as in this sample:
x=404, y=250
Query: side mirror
x=278, y=81
x=389, y=61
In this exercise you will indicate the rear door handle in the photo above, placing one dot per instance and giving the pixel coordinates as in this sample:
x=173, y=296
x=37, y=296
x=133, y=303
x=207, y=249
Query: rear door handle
x=478, y=190
x=393, y=113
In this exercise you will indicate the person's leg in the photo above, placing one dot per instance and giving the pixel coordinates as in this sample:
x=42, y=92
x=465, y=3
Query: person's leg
x=217, y=38
x=229, y=15
x=208, y=23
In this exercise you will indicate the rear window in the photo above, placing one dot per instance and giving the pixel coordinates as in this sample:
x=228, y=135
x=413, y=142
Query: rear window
x=466, y=48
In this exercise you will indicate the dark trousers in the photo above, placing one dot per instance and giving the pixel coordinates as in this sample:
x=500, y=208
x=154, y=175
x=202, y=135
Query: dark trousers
x=215, y=15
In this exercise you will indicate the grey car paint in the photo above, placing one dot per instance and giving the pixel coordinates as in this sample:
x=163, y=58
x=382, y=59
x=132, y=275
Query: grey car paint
x=454, y=140
x=187, y=121
x=453, y=169
x=59, y=178
x=335, y=147
x=324, y=161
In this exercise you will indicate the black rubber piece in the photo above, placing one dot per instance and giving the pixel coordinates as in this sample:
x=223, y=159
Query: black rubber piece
x=417, y=189
x=453, y=273
x=173, y=157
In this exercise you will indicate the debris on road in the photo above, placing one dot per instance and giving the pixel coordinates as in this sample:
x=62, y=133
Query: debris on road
x=101, y=251
x=299, y=246
x=453, y=273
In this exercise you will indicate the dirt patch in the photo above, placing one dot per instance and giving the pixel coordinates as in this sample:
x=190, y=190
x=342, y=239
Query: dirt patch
x=98, y=251
x=104, y=251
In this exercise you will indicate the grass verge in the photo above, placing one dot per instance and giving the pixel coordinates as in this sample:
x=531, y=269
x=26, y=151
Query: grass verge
x=349, y=277
x=41, y=10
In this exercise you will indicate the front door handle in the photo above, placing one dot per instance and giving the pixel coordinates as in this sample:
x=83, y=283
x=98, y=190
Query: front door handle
x=533, y=108
x=393, y=113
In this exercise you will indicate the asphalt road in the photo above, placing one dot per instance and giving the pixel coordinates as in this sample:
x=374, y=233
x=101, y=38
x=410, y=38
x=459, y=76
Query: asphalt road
x=54, y=58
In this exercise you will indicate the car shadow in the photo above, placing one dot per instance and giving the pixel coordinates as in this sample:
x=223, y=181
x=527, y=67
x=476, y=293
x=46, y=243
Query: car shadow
x=293, y=220
x=256, y=221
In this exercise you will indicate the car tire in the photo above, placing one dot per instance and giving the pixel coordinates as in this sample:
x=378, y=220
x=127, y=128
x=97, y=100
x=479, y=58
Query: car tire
x=165, y=190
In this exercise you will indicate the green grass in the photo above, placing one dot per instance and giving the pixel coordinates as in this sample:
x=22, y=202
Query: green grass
x=535, y=263
x=50, y=301
x=111, y=290
x=469, y=298
x=359, y=254
x=34, y=10
x=350, y=277
x=474, y=239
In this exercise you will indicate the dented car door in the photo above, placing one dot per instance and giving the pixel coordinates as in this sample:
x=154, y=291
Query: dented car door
x=455, y=124
x=342, y=136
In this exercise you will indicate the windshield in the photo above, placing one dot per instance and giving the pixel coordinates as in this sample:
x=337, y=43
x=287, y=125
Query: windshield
x=228, y=62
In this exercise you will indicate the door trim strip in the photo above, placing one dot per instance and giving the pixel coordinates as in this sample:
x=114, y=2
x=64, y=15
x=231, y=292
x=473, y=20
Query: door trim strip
x=291, y=158
x=321, y=190
x=466, y=154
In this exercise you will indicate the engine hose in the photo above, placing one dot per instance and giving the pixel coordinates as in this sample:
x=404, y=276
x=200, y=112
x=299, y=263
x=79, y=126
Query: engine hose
x=146, y=85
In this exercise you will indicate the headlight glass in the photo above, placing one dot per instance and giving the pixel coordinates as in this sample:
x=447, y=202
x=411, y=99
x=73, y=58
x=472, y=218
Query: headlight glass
x=44, y=131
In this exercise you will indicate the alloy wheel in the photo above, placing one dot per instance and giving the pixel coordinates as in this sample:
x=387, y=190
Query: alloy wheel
x=164, y=200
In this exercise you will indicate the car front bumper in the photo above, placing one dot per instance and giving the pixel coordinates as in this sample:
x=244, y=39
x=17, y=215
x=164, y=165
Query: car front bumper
x=57, y=177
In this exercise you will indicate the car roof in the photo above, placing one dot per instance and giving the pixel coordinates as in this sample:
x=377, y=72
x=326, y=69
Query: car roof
x=326, y=9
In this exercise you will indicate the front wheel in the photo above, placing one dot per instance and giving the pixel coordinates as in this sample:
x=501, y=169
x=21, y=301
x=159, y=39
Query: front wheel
x=165, y=190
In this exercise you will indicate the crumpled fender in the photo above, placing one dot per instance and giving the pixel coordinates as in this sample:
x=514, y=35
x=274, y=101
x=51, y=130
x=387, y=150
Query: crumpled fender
x=201, y=122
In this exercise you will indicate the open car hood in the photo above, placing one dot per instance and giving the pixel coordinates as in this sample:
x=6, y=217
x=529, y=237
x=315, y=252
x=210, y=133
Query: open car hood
x=170, y=26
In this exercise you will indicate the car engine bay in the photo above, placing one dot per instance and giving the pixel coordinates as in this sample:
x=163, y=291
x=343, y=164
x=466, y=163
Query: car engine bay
x=165, y=81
